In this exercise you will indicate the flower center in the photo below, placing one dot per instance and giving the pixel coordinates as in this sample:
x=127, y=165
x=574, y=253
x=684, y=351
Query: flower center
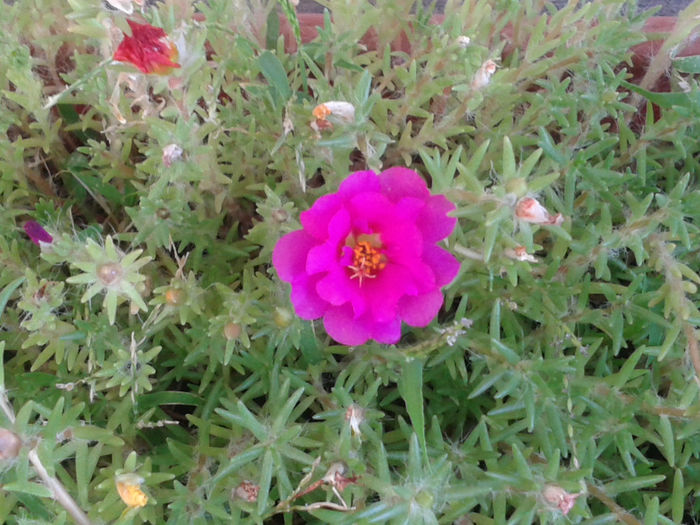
x=367, y=257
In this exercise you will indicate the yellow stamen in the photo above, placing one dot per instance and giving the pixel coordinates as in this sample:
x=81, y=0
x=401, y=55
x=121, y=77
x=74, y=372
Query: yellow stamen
x=367, y=260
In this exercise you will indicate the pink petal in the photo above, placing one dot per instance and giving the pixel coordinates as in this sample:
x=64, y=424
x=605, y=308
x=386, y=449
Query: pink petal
x=324, y=256
x=344, y=328
x=398, y=183
x=403, y=243
x=387, y=333
x=420, y=310
x=307, y=304
x=359, y=182
x=444, y=265
x=36, y=233
x=341, y=325
x=289, y=255
x=433, y=220
x=338, y=289
x=315, y=220
x=384, y=291
x=370, y=211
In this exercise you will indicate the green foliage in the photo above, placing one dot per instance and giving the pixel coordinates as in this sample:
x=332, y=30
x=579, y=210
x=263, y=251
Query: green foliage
x=151, y=343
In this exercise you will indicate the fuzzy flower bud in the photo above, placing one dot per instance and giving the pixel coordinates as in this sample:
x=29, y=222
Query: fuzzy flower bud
x=530, y=210
x=463, y=41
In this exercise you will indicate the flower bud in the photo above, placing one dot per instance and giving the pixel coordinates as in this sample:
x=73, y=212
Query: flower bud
x=232, y=331
x=109, y=273
x=10, y=444
x=517, y=186
x=282, y=317
x=247, y=491
x=36, y=233
x=174, y=297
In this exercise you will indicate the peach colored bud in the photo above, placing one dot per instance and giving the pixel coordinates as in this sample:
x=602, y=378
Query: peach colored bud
x=483, y=75
x=247, y=491
x=10, y=444
x=530, y=210
x=171, y=153
x=232, y=331
x=557, y=497
x=337, y=108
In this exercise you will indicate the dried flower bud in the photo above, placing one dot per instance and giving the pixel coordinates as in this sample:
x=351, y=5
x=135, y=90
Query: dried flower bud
x=10, y=444
x=557, y=497
x=247, y=491
x=520, y=253
x=163, y=213
x=341, y=111
x=530, y=210
x=171, y=153
x=129, y=489
x=232, y=331
x=354, y=416
x=483, y=75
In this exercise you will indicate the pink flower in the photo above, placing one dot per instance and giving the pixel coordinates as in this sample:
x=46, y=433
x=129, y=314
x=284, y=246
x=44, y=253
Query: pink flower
x=148, y=49
x=36, y=233
x=366, y=258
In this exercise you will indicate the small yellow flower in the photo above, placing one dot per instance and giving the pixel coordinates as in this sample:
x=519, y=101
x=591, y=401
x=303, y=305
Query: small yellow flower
x=129, y=488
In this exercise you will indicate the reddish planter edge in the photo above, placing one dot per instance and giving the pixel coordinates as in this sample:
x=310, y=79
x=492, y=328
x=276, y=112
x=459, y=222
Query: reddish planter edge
x=642, y=53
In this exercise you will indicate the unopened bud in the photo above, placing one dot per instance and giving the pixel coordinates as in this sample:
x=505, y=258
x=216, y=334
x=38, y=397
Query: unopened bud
x=10, y=444
x=282, y=317
x=232, y=331
x=463, y=41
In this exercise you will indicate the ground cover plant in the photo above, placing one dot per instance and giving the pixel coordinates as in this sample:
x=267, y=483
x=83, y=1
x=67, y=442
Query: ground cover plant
x=503, y=330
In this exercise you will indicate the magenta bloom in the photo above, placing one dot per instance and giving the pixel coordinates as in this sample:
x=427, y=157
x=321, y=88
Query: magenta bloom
x=37, y=233
x=366, y=258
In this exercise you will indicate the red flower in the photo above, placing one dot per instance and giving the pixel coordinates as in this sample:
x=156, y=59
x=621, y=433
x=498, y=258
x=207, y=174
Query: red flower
x=148, y=49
